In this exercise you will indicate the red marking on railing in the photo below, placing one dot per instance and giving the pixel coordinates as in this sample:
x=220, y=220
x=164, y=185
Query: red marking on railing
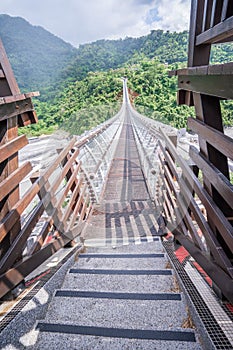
x=30, y=282
x=181, y=254
x=230, y=307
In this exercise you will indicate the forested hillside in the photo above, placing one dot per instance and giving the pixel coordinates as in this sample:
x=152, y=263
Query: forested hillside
x=85, y=103
x=81, y=87
x=36, y=55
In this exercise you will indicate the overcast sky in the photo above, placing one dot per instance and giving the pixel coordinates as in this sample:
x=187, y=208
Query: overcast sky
x=82, y=21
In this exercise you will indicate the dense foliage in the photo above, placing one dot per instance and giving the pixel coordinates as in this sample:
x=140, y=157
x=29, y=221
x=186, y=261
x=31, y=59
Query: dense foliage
x=36, y=55
x=88, y=102
x=82, y=87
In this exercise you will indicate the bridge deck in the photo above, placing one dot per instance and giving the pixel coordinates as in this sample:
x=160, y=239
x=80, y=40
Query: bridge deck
x=125, y=213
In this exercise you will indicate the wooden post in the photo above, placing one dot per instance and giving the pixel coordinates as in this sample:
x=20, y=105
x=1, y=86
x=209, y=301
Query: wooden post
x=8, y=131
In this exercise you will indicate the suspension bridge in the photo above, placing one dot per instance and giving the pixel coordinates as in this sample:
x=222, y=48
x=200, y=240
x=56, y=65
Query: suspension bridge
x=122, y=239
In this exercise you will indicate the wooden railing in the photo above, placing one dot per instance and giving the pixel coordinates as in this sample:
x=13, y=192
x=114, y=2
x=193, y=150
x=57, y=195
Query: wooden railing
x=63, y=203
x=204, y=86
x=187, y=207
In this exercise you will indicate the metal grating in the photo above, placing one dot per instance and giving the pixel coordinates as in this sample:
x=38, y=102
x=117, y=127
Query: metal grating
x=216, y=335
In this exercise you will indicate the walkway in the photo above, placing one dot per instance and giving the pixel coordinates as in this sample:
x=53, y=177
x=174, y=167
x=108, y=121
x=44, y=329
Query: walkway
x=126, y=212
x=121, y=293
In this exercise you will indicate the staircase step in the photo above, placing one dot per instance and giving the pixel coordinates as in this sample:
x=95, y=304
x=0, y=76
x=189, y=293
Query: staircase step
x=134, y=284
x=106, y=338
x=144, y=247
x=118, y=312
x=123, y=261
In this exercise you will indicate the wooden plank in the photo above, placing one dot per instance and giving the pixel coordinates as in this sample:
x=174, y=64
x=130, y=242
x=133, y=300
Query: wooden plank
x=13, y=180
x=14, y=98
x=169, y=160
x=181, y=209
x=212, y=69
x=18, y=97
x=221, y=32
x=22, y=236
x=59, y=221
x=212, y=136
x=16, y=247
x=28, y=118
x=57, y=181
x=9, y=221
x=74, y=197
x=77, y=208
x=13, y=88
x=215, y=85
x=14, y=109
x=213, y=210
x=212, y=241
x=208, y=110
x=178, y=219
x=218, y=180
x=32, y=94
x=17, y=274
x=12, y=147
x=187, y=218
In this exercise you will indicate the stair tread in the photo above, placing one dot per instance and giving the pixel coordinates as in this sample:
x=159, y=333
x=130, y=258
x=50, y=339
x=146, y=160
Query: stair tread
x=104, y=341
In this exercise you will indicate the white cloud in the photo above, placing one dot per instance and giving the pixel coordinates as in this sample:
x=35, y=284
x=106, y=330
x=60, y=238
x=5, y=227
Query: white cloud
x=80, y=21
x=173, y=14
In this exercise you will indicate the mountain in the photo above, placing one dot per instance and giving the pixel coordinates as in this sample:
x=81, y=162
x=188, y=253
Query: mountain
x=41, y=60
x=80, y=87
x=167, y=47
x=36, y=55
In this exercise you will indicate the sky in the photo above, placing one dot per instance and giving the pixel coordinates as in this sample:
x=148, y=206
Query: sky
x=83, y=21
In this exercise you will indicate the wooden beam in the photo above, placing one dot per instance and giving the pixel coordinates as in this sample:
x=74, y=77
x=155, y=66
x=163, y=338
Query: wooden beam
x=218, y=180
x=13, y=180
x=14, y=109
x=18, y=97
x=11, y=88
x=213, y=210
x=220, y=86
x=28, y=118
x=212, y=69
x=41, y=237
x=17, y=274
x=214, y=137
x=12, y=147
x=14, y=215
x=217, y=34
x=15, y=250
